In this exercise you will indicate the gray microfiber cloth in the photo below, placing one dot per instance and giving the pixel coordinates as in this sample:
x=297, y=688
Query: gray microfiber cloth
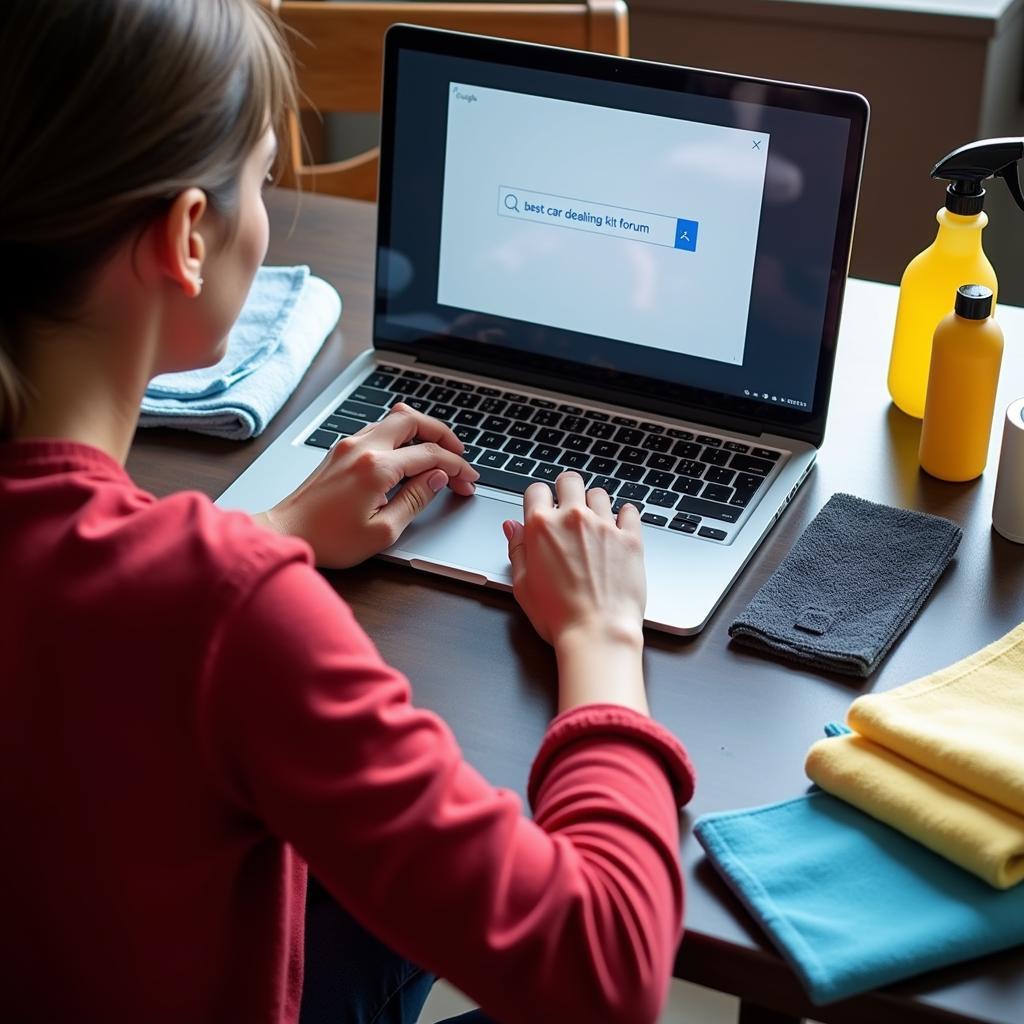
x=850, y=586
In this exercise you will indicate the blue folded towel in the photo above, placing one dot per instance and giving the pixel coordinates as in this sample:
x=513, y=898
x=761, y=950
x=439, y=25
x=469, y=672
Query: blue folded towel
x=851, y=903
x=286, y=318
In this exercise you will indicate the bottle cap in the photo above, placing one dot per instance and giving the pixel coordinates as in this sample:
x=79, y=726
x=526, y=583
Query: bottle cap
x=965, y=198
x=973, y=302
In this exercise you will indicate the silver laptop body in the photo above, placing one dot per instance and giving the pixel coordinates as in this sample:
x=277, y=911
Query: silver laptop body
x=712, y=468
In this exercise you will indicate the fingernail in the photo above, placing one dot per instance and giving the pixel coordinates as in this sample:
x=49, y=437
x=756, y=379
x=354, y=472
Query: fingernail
x=437, y=480
x=475, y=472
x=507, y=527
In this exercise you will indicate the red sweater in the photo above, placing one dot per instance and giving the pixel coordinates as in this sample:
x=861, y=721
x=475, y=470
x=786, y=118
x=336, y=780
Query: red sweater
x=191, y=715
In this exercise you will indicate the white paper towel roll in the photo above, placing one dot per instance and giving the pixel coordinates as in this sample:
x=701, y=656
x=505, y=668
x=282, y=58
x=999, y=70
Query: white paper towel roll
x=1008, y=506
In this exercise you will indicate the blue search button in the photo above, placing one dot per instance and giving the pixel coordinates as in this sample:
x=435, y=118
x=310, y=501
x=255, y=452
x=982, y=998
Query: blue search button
x=686, y=234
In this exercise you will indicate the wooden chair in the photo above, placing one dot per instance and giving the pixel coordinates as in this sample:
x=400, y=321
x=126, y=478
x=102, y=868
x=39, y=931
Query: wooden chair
x=338, y=50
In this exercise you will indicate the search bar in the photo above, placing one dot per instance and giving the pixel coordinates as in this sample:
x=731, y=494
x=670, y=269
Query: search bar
x=598, y=218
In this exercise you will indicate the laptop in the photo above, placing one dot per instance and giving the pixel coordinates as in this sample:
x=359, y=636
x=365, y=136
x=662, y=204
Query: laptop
x=587, y=262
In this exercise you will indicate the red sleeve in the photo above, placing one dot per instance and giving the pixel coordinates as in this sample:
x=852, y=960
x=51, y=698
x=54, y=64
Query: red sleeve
x=582, y=909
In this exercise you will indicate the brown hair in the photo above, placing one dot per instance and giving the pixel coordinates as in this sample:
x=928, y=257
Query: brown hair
x=108, y=110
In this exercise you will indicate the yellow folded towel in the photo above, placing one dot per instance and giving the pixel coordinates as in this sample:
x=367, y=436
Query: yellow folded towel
x=941, y=759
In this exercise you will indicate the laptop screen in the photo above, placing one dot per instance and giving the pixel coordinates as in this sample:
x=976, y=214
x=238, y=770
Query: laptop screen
x=679, y=238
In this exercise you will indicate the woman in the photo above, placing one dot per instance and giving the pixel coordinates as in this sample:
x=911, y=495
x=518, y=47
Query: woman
x=191, y=715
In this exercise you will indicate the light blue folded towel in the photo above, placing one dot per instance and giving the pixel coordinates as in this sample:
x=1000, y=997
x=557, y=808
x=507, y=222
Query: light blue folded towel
x=851, y=903
x=286, y=318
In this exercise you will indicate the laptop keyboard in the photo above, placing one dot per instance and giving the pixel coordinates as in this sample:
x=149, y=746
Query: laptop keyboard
x=678, y=479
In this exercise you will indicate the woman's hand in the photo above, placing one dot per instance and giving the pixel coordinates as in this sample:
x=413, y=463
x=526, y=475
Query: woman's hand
x=578, y=573
x=342, y=509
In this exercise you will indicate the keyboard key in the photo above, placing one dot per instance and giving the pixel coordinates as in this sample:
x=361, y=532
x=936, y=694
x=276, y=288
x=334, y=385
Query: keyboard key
x=405, y=386
x=373, y=396
x=657, y=478
x=688, y=485
x=517, y=446
x=466, y=400
x=748, y=464
x=435, y=380
x=604, y=467
x=572, y=410
x=520, y=429
x=654, y=520
x=618, y=503
x=765, y=453
x=657, y=443
x=547, y=452
x=606, y=483
x=360, y=411
x=492, y=439
x=683, y=525
x=711, y=533
x=342, y=424
x=322, y=438
x=460, y=385
x=574, y=460
x=576, y=443
x=414, y=375
x=685, y=435
x=546, y=471
x=494, y=405
x=521, y=465
x=747, y=482
x=593, y=414
x=633, y=455
x=735, y=446
x=709, y=509
x=470, y=417
x=715, y=456
x=489, y=392
x=391, y=369
x=441, y=394
x=542, y=403
x=471, y=453
x=601, y=430
x=686, y=450
x=498, y=423
x=378, y=380
x=659, y=460
x=715, y=442
x=548, y=435
x=652, y=428
x=419, y=404
x=630, y=437
x=663, y=499
x=493, y=459
x=512, y=396
x=464, y=433
x=605, y=449
x=575, y=424
x=503, y=480
x=688, y=468
x=716, y=492
x=518, y=412
x=624, y=421
x=547, y=417
x=717, y=475
x=443, y=412
x=633, y=492
x=628, y=471
x=741, y=499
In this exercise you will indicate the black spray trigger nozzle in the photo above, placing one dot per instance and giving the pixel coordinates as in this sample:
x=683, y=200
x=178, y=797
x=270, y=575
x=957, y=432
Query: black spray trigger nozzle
x=967, y=167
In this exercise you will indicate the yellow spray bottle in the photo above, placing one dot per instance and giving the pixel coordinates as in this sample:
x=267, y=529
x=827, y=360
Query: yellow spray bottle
x=954, y=257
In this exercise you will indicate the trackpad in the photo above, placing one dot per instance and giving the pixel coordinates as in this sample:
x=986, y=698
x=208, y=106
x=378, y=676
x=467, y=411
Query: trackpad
x=461, y=533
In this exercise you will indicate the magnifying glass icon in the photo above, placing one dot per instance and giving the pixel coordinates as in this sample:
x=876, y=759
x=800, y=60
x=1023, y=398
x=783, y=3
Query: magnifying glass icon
x=511, y=202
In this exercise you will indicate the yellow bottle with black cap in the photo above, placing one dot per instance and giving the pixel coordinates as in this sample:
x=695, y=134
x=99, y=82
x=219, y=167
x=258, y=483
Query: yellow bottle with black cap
x=967, y=351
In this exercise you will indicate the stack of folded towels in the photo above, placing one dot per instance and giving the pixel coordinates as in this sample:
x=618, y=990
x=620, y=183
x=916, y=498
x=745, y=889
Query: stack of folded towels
x=916, y=865
x=286, y=318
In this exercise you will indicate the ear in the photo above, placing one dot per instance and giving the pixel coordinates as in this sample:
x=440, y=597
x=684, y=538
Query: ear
x=181, y=242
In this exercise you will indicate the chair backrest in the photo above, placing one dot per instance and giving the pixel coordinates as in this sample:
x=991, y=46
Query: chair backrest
x=338, y=49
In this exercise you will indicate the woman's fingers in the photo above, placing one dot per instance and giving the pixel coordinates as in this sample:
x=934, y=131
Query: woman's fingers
x=537, y=499
x=409, y=501
x=402, y=424
x=600, y=503
x=418, y=458
x=570, y=490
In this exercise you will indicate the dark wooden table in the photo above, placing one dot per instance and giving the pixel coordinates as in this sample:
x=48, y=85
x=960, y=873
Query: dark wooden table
x=747, y=720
